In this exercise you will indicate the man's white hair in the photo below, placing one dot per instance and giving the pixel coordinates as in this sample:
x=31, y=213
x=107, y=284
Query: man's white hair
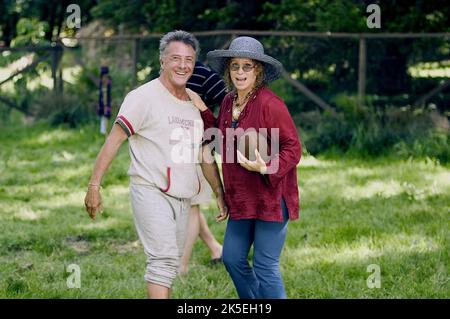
x=180, y=36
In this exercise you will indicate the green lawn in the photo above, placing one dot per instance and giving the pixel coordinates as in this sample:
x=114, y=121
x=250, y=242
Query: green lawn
x=354, y=213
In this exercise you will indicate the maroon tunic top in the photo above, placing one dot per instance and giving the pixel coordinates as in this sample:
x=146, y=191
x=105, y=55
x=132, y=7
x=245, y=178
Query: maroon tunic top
x=250, y=194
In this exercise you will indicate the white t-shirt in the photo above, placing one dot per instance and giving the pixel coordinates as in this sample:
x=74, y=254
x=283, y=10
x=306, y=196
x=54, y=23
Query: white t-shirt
x=164, y=135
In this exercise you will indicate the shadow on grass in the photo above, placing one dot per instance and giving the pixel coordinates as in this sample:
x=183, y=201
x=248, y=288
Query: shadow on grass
x=49, y=235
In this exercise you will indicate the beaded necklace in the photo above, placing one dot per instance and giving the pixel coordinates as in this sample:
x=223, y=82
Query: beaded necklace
x=238, y=107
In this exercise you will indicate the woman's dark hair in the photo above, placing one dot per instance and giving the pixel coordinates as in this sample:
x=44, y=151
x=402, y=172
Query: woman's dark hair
x=259, y=68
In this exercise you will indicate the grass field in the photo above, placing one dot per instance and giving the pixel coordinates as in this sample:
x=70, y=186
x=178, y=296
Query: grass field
x=354, y=213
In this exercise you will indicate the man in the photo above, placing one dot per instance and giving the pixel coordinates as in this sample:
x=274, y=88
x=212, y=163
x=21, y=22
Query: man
x=162, y=126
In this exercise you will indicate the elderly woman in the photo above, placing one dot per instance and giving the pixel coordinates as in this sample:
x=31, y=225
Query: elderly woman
x=261, y=194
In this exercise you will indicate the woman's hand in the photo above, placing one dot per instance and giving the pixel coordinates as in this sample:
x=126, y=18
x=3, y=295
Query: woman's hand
x=255, y=166
x=197, y=100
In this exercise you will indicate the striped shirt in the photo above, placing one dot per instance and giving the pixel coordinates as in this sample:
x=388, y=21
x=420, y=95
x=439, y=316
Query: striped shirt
x=208, y=84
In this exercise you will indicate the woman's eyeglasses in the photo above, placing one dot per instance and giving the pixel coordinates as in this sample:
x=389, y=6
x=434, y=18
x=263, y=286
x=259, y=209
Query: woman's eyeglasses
x=246, y=67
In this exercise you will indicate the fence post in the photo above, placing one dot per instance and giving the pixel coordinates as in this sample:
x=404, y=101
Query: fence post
x=55, y=60
x=135, y=60
x=54, y=68
x=60, y=57
x=362, y=71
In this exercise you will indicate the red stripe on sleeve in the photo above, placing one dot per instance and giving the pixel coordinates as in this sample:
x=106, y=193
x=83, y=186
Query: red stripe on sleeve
x=127, y=123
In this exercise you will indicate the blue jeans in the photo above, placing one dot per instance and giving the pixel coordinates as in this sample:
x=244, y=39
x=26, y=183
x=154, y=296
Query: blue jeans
x=263, y=280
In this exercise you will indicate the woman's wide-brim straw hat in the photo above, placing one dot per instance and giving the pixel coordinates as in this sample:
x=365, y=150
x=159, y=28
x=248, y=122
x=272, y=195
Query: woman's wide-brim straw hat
x=245, y=47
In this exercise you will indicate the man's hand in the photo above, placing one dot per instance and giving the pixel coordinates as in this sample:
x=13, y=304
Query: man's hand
x=223, y=210
x=197, y=100
x=211, y=172
x=93, y=201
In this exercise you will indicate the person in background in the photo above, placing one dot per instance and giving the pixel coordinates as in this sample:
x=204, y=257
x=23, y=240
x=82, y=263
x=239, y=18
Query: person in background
x=211, y=88
x=208, y=85
x=104, y=99
x=261, y=195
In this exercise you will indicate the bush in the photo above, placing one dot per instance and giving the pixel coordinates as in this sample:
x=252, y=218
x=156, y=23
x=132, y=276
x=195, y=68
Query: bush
x=322, y=132
x=63, y=109
x=434, y=144
x=366, y=131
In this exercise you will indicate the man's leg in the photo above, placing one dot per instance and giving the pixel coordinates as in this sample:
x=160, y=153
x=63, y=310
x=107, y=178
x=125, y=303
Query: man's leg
x=156, y=220
x=191, y=237
x=209, y=239
x=155, y=291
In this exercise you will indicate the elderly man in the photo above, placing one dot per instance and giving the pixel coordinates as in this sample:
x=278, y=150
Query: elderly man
x=164, y=131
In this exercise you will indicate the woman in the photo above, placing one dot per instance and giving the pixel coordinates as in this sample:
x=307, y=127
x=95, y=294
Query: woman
x=261, y=196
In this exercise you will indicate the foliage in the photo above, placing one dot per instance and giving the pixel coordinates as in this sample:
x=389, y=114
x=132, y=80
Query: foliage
x=29, y=32
x=434, y=145
x=60, y=109
x=372, y=132
x=162, y=16
x=48, y=18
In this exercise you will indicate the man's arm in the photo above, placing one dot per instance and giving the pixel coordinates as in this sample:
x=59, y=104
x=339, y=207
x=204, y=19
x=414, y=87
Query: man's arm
x=93, y=199
x=211, y=172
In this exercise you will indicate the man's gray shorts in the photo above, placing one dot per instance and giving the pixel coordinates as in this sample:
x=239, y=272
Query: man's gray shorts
x=161, y=223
